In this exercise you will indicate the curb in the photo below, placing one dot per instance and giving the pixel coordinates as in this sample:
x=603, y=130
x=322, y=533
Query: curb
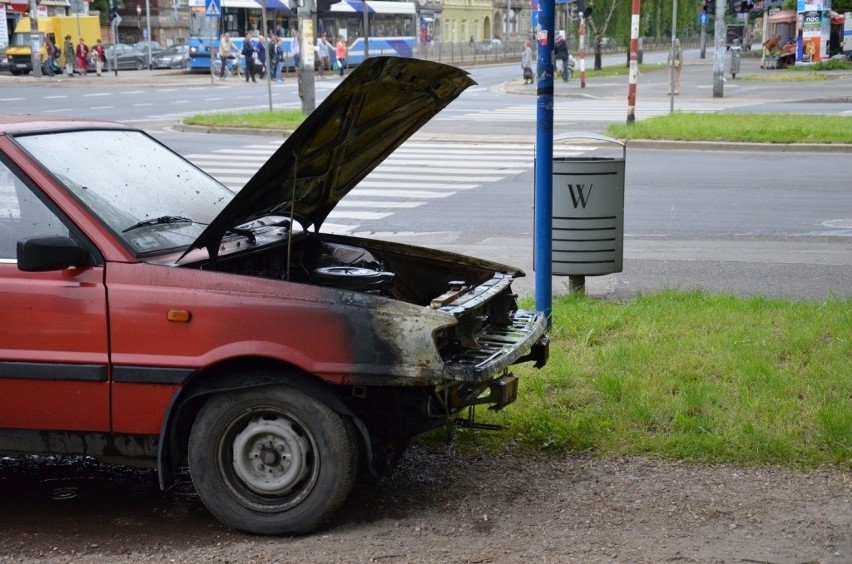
x=734, y=146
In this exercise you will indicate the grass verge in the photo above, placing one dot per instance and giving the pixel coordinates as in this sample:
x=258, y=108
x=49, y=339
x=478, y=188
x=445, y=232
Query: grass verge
x=279, y=119
x=746, y=128
x=689, y=376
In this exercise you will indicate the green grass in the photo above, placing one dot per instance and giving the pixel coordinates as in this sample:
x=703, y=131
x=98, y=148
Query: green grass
x=689, y=376
x=280, y=120
x=747, y=128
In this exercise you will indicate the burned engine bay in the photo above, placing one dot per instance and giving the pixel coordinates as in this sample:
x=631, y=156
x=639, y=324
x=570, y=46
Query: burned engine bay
x=415, y=275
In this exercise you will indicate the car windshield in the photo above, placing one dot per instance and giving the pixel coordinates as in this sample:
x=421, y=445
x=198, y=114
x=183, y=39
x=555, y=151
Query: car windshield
x=126, y=179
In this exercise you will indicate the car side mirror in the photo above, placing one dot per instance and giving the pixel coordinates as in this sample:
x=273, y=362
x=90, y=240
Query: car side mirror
x=43, y=254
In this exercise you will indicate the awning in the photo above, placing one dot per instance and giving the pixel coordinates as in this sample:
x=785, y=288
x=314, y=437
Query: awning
x=251, y=4
x=784, y=16
x=277, y=5
x=374, y=7
x=18, y=6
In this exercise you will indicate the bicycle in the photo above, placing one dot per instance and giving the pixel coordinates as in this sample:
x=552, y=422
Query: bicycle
x=233, y=67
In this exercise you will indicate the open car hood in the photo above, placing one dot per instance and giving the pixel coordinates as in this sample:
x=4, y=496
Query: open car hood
x=375, y=109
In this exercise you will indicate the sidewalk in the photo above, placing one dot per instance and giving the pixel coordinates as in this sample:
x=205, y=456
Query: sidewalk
x=697, y=81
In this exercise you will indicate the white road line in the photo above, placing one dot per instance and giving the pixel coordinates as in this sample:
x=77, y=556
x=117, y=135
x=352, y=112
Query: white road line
x=367, y=183
x=361, y=216
x=354, y=203
x=425, y=194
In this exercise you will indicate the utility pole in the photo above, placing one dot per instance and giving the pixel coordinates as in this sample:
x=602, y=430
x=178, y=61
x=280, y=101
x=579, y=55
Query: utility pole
x=719, y=55
x=306, y=75
x=148, y=32
x=543, y=190
x=35, y=43
x=366, y=11
x=115, y=21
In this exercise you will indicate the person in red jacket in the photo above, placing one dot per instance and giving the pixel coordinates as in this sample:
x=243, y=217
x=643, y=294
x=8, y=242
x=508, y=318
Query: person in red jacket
x=100, y=57
x=83, y=57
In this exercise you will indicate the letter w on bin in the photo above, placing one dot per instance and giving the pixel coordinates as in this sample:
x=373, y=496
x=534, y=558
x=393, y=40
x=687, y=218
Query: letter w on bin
x=588, y=212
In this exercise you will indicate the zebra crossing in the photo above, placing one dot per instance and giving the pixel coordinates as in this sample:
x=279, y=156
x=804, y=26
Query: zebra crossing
x=415, y=174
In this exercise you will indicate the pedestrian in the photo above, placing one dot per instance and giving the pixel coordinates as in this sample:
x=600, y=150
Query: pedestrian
x=83, y=57
x=296, y=50
x=250, y=54
x=68, y=49
x=770, y=46
x=277, y=64
x=675, y=62
x=560, y=53
x=51, y=56
x=262, y=56
x=322, y=48
x=341, y=51
x=100, y=57
x=526, y=62
x=226, y=52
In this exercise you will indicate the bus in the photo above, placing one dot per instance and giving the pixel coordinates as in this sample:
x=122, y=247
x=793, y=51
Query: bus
x=392, y=28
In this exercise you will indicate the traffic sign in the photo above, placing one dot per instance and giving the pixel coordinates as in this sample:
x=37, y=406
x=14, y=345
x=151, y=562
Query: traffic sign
x=213, y=8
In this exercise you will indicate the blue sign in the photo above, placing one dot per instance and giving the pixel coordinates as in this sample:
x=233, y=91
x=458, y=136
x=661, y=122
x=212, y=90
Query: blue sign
x=213, y=8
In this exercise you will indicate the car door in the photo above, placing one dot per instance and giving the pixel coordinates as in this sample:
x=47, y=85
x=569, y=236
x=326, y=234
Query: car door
x=54, y=372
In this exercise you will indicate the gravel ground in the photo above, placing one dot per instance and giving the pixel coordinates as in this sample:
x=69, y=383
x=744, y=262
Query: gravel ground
x=448, y=507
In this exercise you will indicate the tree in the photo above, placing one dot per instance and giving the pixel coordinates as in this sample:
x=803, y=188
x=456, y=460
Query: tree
x=599, y=32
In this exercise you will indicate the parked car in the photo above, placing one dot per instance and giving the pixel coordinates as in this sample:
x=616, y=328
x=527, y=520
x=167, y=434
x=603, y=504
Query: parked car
x=176, y=57
x=142, y=46
x=126, y=57
x=608, y=43
x=488, y=46
x=153, y=316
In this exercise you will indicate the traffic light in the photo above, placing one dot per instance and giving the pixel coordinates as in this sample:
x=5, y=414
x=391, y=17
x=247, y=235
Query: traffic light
x=113, y=9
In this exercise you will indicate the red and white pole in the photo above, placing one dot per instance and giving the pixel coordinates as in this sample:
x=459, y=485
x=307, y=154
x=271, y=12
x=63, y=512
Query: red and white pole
x=634, y=62
x=581, y=31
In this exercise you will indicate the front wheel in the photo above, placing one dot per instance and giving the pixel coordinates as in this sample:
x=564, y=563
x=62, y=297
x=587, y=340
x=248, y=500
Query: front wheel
x=272, y=460
x=216, y=69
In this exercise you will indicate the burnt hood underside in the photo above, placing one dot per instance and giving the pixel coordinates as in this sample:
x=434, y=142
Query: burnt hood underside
x=374, y=110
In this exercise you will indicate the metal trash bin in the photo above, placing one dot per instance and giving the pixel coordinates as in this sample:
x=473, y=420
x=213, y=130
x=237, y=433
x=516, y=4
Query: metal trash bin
x=588, y=212
x=736, y=55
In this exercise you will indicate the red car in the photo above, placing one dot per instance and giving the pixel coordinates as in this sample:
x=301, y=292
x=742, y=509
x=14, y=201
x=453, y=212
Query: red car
x=152, y=316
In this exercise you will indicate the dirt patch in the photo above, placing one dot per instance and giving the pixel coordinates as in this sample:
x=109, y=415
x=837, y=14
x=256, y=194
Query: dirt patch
x=448, y=507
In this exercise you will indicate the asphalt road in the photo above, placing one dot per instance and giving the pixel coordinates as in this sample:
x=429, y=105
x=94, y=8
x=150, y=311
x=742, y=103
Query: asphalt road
x=804, y=263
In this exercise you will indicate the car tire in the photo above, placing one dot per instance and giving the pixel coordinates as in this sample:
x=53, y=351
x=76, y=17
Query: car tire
x=140, y=64
x=272, y=460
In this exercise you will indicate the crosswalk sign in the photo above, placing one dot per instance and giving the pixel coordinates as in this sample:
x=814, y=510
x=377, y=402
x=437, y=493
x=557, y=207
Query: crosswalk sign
x=213, y=7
